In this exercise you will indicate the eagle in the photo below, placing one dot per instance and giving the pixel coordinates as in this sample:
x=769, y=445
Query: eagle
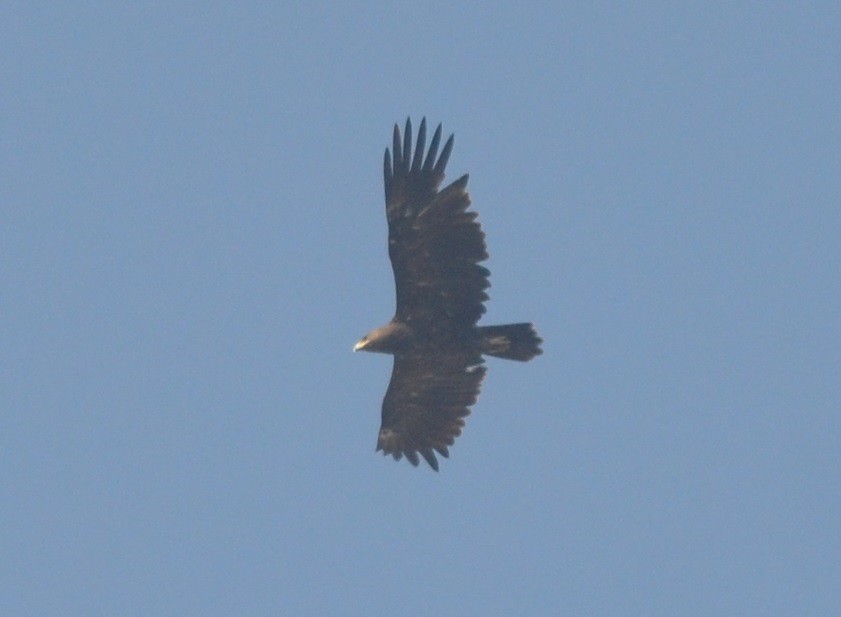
x=435, y=245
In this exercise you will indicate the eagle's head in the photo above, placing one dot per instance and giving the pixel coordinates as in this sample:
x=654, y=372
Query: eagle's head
x=388, y=339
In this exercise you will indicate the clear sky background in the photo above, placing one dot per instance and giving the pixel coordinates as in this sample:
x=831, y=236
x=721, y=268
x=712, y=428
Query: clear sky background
x=193, y=237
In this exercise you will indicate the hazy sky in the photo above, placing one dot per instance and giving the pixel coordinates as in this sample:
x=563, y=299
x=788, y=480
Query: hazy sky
x=193, y=237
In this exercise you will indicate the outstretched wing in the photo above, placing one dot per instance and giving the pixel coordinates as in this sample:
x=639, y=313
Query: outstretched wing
x=426, y=403
x=434, y=243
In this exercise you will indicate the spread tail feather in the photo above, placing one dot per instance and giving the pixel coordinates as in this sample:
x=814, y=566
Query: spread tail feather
x=518, y=341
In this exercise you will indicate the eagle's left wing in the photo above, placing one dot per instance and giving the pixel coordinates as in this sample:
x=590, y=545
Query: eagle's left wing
x=434, y=241
x=426, y=403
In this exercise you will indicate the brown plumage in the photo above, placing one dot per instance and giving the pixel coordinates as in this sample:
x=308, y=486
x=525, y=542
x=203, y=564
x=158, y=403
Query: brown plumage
x=435, y=245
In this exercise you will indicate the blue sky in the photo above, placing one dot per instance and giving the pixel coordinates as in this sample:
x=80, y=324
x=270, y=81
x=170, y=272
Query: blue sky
x=193, y=237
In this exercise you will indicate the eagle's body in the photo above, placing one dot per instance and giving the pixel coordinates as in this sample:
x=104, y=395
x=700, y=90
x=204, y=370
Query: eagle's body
x=435, y=246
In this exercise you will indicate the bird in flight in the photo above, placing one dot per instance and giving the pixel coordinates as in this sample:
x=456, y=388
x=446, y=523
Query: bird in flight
x=435, y=245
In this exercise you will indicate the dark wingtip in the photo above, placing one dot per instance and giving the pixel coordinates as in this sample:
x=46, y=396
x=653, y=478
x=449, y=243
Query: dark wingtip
x=387, y=162
x=388, y=174
x=430, y=458
x=445, y=156
x=433, y=150
x=407, y=145
x=421, y=144
x=396, y=147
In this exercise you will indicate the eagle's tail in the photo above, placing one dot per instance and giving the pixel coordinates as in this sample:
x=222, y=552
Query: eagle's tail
x=517, y=341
